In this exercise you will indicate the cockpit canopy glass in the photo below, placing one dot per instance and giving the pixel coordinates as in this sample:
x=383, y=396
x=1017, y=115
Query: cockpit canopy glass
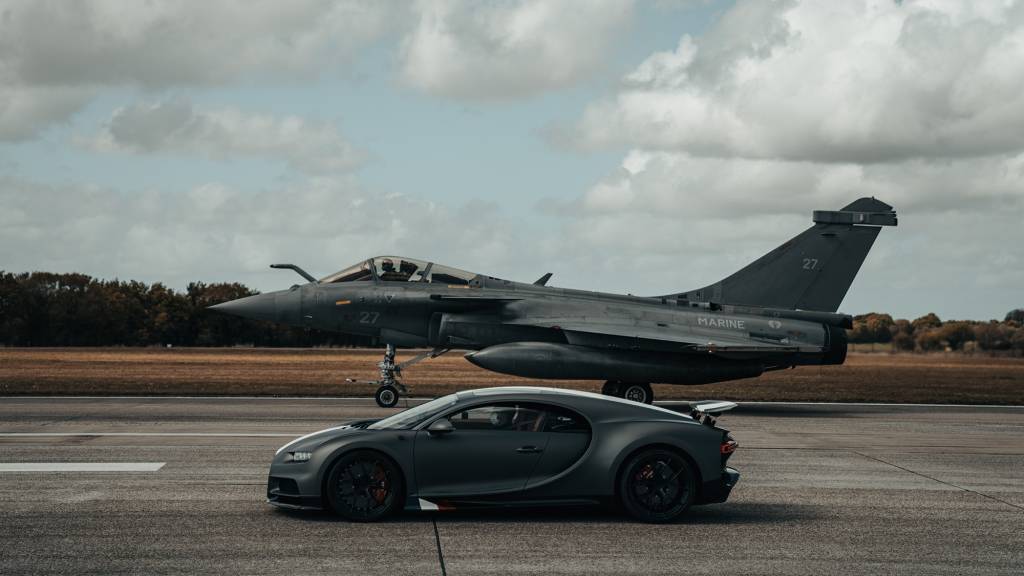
x=401, y=269
x=353, y=273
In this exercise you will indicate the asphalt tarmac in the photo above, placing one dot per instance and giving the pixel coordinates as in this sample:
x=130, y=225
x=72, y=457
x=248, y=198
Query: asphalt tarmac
x=177, y=485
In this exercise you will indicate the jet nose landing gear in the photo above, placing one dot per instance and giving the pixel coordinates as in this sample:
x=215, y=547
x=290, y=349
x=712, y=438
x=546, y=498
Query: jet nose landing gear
x=389, y=389
x=637, y=392
x=387, y=395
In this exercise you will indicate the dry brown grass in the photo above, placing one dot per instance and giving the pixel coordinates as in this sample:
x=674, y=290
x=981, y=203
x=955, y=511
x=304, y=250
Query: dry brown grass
x=864, y=378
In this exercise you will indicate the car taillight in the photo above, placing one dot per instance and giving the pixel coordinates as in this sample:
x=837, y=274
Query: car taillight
x=729, y=446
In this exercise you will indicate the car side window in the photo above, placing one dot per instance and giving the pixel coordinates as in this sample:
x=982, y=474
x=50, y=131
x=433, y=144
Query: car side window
x=507, y=416
x=563, y=420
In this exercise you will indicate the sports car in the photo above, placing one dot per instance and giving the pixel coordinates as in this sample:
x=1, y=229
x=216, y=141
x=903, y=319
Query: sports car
x=511, y=446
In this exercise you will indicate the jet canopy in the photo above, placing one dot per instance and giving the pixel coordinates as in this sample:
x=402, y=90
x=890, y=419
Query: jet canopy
x=401, y=269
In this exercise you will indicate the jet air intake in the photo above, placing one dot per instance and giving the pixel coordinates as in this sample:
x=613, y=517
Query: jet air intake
x=567, y=362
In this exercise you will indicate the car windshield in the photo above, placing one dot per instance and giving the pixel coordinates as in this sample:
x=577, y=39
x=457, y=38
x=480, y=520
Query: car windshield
x=407, y=419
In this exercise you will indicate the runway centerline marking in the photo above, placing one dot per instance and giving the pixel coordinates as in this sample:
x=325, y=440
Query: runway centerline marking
x=80, y=466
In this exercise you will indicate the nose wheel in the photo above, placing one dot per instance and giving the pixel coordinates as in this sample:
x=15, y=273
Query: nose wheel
x=389, y=389
x=637, y=392
x=386, y=396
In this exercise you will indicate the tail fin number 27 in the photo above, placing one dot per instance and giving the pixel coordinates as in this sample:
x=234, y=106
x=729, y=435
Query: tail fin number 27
x=810, y=263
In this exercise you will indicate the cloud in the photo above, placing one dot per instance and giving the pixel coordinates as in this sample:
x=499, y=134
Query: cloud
x=477, y=50
x=176, y=126
x=24, y=109
x=215, y=232
x=780, y=108
x=54, y=56
x=55, y=53
x=165, y=43
x=673, y=185
x=664, y=222
x=844, y=81
x=673, y=221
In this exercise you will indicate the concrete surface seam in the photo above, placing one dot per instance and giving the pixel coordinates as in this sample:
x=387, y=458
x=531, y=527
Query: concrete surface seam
x=437, y=539
x=950, y=484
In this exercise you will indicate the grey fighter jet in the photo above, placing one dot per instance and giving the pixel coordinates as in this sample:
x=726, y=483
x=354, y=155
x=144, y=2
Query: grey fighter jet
x=777, y=312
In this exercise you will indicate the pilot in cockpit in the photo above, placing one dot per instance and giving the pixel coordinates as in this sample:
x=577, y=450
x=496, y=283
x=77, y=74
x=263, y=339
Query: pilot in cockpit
x=388, y=272
x=408, y=268
x=403, y=273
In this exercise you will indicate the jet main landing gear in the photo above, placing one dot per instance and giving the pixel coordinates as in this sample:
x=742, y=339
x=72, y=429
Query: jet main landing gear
x=389, y=388
x=636, y=391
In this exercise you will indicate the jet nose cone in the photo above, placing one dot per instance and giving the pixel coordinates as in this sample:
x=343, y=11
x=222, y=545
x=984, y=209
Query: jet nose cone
x=258, y=307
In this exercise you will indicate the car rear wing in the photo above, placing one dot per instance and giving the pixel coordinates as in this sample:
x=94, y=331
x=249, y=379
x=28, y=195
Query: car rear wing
x=705, y=411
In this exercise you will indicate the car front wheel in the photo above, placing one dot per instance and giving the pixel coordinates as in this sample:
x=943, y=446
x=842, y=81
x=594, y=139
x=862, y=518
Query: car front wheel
x=364, y=486
x=657, y=485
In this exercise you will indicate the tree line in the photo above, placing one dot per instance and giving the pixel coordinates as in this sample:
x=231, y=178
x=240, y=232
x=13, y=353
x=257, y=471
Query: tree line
x=46, y=309
x=928, y=333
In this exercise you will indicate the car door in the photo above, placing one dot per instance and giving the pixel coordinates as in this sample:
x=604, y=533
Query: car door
x=492, y=449
x=569, y=436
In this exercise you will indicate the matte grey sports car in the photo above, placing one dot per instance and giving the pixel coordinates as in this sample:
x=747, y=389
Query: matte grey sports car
x=511, y=446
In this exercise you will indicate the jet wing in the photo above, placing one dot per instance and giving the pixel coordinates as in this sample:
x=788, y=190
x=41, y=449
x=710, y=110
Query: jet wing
x=663, y=337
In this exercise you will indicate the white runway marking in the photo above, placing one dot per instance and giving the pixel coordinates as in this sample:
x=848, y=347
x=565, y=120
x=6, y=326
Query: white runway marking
x=215, y=434
x=80, y=466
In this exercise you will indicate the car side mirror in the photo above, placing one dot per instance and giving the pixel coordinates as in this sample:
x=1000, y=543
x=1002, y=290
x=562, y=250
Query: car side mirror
x=440, y=426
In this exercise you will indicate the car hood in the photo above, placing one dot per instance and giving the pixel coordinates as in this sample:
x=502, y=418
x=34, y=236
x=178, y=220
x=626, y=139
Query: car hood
x=320, y=436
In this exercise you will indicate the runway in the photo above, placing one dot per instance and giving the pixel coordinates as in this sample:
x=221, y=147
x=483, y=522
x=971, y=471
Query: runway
x=176, y=485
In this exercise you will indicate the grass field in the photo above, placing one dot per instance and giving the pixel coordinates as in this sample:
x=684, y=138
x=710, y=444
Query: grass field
x=934, y=378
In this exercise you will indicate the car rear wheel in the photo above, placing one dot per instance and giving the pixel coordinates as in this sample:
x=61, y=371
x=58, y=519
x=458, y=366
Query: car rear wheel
x=364, y=486
x=657, y=485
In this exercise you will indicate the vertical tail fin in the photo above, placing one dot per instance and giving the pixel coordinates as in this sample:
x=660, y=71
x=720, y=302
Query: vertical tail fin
x=814, y=270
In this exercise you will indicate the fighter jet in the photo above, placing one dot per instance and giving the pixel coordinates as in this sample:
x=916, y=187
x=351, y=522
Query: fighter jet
x=777, y=312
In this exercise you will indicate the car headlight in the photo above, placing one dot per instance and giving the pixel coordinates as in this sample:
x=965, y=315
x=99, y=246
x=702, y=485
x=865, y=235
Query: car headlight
x=298, y=456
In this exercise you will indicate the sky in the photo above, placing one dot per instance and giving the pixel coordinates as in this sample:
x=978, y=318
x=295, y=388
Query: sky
x=629, y=147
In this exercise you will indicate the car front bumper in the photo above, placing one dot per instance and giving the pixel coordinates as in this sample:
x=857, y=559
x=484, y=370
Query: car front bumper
x=285, y=493
x=718, y=491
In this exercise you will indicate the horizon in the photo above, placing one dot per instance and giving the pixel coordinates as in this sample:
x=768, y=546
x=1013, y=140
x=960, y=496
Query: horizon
x=184, y=289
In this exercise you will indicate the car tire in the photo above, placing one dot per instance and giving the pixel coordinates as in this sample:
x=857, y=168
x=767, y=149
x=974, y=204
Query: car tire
x=657, y=485
x=365, y=486
x=386, y=396
x=640, y=392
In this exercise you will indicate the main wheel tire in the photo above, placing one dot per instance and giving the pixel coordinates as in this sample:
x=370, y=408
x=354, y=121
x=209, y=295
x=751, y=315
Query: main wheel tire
x=611, y=388
x=641, y=393
x=364, y=486
x=386, y=396
x=657, y=485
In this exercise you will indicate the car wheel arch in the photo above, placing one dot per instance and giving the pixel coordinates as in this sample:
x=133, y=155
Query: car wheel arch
x=330, y=462
x=620, y=465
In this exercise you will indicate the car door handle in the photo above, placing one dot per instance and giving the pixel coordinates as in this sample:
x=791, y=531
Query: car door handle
x=528, y=450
